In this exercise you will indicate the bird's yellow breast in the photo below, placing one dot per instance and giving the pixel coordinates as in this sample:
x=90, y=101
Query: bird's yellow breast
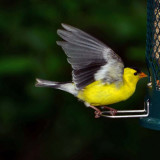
x=98, y=94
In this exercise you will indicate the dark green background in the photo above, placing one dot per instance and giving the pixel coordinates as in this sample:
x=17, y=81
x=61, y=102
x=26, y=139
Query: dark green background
x=47, y=124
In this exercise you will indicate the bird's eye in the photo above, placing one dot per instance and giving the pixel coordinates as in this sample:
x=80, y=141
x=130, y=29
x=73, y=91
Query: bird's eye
x=135, y=73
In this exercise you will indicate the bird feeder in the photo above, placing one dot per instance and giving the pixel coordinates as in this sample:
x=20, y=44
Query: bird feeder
x=150, y=115
x=153, y=63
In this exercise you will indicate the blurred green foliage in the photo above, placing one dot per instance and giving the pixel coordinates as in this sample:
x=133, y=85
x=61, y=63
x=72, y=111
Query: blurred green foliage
x=47, y=124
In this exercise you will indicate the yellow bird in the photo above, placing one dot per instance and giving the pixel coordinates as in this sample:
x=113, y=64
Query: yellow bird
x=98, y=77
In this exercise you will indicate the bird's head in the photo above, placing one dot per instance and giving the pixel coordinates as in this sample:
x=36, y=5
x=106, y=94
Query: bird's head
x=133, y=75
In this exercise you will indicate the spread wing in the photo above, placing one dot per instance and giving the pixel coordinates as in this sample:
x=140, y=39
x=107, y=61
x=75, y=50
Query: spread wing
x=90, y=59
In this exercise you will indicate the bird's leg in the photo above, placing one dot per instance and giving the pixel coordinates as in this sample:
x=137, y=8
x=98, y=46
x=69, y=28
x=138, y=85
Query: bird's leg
x=97, y=111
x=112, y=110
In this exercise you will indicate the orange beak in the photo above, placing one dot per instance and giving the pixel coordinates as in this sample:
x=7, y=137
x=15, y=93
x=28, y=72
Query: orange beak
x=142, y=75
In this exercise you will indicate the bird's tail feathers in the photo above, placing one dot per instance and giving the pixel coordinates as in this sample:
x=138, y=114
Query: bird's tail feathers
x=68, y=87
x=45, y=83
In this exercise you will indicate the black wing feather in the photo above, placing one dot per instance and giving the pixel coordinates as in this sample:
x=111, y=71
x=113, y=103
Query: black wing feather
x=85, y=76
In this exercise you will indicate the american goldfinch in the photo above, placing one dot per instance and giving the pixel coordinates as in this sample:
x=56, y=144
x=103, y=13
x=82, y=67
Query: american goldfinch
x=98, y=77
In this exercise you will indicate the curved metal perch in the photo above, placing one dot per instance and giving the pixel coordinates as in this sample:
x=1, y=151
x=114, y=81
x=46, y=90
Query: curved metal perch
x=129, y=113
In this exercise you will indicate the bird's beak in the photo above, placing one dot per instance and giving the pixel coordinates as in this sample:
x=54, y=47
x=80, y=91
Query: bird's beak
x=142, y=75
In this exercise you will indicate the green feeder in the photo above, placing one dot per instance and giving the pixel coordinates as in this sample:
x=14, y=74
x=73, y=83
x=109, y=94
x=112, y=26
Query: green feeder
x=153, y=63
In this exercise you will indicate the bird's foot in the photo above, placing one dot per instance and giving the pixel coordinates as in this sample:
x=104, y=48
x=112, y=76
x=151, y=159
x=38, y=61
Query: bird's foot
x=112, y=110
x=97, y=111
x=97, y=114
